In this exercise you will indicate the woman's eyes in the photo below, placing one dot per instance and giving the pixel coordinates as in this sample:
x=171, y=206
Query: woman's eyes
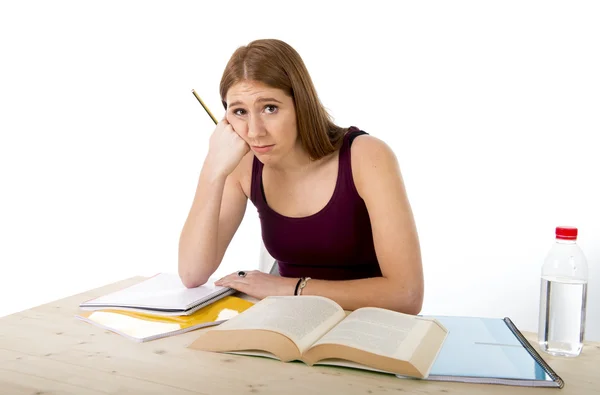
x=269, y=109
x=274, y=108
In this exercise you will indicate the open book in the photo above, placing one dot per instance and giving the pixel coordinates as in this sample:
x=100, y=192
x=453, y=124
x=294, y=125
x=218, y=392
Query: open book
x=162, y=294
x=316, y=330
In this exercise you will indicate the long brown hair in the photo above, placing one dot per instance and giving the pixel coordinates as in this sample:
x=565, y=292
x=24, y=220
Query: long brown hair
x=278, y=65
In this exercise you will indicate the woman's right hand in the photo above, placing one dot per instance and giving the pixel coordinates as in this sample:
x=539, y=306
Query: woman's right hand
x=226, y=149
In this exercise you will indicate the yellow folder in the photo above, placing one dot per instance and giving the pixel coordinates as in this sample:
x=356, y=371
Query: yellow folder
x=142, y=327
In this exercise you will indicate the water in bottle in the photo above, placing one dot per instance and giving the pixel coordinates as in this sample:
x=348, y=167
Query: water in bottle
x=563, y=296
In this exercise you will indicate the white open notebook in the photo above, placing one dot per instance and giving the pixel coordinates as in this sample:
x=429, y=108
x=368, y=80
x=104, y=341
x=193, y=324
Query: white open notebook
x=161, y=294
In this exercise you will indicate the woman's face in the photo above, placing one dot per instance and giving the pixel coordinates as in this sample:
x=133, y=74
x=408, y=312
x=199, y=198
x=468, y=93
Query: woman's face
x=264, y=117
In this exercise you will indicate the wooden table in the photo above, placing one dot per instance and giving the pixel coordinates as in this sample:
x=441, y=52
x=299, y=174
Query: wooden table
x=45, y=350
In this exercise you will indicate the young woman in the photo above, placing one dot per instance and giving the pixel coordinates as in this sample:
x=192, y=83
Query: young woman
x=332, y=204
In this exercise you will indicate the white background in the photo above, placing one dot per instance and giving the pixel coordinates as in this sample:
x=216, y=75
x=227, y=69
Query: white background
x=491, y=107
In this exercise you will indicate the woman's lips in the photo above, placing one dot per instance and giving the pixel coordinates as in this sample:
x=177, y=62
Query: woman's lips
x=261, y=149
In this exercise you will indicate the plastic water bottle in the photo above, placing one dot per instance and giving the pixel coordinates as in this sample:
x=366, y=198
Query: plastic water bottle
x=563, y=296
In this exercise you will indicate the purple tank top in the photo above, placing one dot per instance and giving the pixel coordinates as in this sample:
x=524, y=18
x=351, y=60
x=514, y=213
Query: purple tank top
x=335, y=243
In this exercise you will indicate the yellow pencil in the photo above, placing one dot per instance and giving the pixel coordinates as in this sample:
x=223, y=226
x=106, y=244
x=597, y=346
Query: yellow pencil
x=205, y=107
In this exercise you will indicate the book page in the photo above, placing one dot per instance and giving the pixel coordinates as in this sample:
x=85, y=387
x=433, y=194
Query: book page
x=379, y=331
x=303, y=319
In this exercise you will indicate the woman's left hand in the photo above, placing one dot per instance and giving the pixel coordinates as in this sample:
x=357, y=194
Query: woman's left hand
x=258, y=284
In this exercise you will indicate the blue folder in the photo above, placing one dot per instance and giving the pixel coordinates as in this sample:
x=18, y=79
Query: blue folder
x=492, y=351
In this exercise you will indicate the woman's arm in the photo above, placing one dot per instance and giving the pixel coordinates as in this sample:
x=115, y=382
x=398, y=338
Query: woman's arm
x=216, y=213
x=379, y=182
x=218, y=207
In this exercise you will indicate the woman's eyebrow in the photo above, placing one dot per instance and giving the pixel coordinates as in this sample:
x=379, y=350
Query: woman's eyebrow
x=264, y=99
x=259, y=100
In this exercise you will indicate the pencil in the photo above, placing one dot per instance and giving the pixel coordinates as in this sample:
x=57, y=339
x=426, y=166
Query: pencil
x=205, y=107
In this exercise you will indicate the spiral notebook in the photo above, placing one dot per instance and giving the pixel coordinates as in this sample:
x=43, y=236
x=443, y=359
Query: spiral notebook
x=162, y=294
x=490, y=351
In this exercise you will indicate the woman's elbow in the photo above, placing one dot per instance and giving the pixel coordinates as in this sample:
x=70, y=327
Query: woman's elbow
x=192, y=280
x=414, y=305
x=408, y=302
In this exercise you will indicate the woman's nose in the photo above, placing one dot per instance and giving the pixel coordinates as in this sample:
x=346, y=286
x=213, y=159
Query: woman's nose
x=255, y=127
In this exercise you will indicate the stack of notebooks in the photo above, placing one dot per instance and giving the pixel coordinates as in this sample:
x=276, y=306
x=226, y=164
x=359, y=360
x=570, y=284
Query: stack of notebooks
x=162, y=306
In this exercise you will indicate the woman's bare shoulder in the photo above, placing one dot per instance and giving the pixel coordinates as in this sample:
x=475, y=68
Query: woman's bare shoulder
x=370, y=157
x=365, y=145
